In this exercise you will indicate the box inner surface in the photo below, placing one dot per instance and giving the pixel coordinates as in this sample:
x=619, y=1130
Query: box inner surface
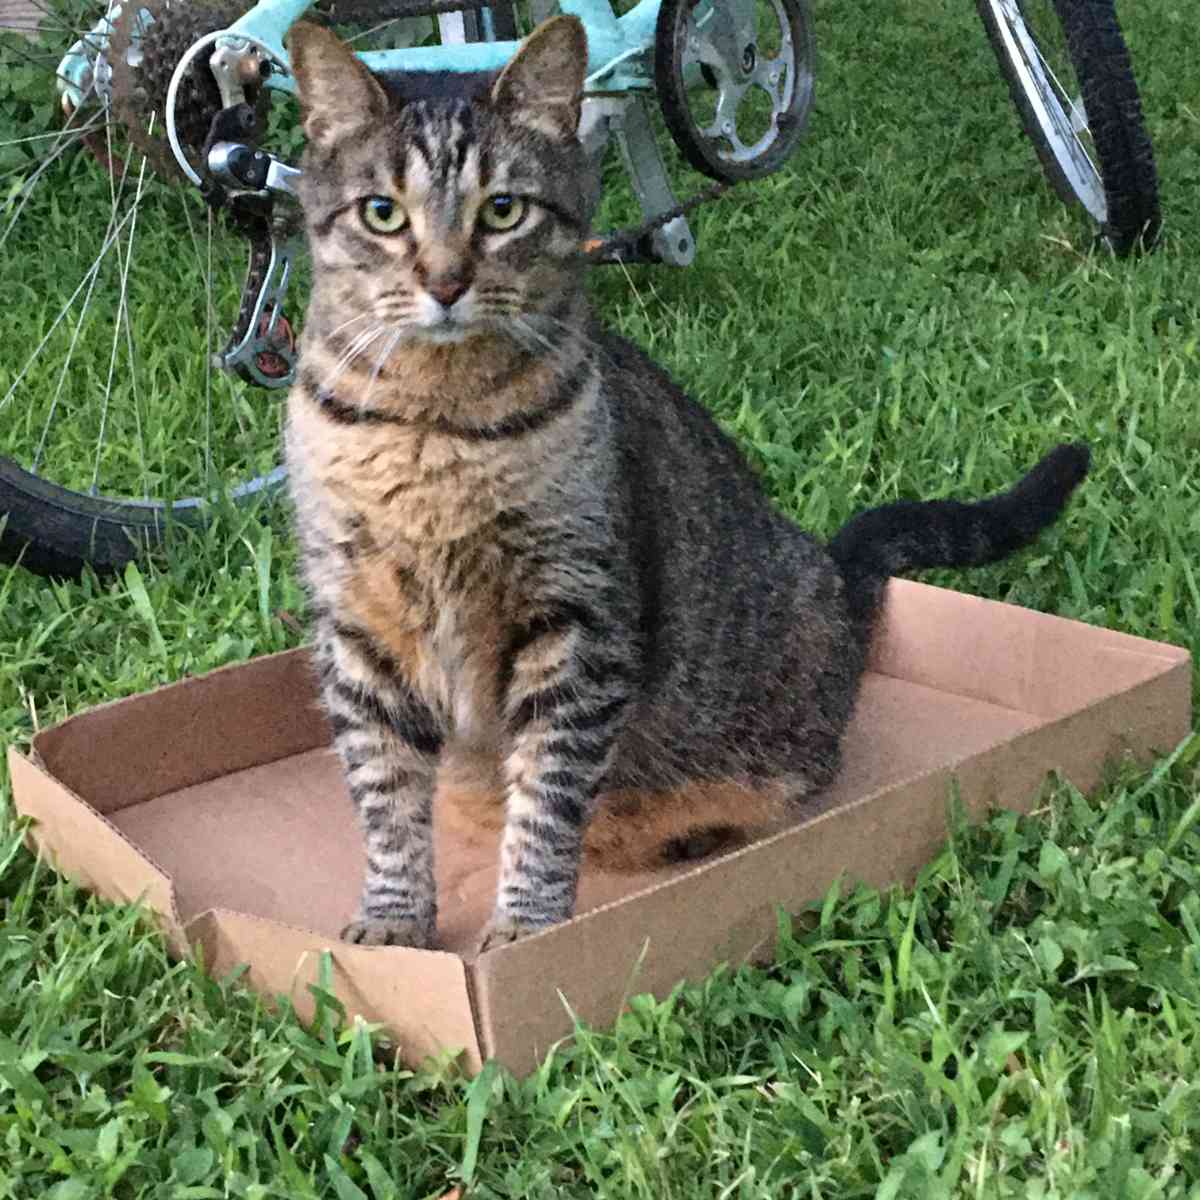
x=280, y=840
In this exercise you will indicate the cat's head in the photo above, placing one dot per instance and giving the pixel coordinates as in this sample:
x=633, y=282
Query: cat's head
x=446, y=218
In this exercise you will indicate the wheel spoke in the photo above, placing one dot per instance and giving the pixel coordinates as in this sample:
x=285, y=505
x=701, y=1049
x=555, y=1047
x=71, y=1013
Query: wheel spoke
x=1064, y=108
x=208, y=353
x=89, y=249
x=1057, y=115
x=62, y=378
x=1058, y=92
x=122, y=309
x=60, y=147
x=201, y=257
x=1067, y=131
x=88, y=281
x=42, y=137
x=29, y=56
x=137, y=405
x=112, y=238
x=204, y=266
x=410, y=38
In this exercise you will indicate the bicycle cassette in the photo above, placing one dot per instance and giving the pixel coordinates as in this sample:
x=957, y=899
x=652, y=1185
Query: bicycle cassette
x=149, y=38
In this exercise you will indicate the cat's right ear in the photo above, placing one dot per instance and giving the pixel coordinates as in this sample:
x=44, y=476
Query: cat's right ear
x=338, y=95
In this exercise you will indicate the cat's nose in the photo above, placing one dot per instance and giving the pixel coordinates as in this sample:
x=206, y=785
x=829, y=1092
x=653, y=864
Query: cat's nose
x=446, y=289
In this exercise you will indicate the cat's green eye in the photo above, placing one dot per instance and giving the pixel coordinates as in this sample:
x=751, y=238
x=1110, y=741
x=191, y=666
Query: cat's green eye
x=383, y=215
x=502, y=212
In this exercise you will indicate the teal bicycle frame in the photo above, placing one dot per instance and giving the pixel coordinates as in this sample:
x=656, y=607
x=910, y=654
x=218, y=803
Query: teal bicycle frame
x=617, y=46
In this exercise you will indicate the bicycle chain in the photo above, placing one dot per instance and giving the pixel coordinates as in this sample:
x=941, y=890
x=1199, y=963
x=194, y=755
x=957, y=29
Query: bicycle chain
x=632, y=244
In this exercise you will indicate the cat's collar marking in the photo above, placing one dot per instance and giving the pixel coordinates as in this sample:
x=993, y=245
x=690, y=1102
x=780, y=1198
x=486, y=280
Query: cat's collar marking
x=567, y=389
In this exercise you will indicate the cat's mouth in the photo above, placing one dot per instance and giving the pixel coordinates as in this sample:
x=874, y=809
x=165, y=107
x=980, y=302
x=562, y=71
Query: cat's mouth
x=442, y=323
x=442, y=334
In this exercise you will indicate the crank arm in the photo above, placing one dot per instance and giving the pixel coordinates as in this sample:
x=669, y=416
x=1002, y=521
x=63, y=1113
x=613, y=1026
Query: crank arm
x=673, y=243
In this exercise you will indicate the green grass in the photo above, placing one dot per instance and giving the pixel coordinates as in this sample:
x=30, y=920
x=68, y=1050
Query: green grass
x=905, y=311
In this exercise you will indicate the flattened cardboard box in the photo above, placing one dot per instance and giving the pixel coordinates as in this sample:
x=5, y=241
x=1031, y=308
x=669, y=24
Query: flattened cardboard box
x=218, y=801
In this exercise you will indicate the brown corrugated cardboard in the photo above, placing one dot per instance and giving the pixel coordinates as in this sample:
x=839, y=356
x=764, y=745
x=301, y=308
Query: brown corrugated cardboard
x=218, y=801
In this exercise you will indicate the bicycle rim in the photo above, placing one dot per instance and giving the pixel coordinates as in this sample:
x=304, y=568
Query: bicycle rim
x=1032, y=38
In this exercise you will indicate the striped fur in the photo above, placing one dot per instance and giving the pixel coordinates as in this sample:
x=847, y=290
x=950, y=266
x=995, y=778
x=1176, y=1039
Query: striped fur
x=548, y=589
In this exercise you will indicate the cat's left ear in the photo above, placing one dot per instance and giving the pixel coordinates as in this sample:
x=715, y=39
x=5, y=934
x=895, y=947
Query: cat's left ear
x=542, y=85
x=338, y=95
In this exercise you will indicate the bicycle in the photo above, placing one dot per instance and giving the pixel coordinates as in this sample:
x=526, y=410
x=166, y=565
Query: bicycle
x=185, y=117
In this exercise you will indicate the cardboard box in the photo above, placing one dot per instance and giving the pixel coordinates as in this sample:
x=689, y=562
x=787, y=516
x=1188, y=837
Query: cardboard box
x=218, y=801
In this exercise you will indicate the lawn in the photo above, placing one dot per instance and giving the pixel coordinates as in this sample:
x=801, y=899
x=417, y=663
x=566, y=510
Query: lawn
x=906, y=310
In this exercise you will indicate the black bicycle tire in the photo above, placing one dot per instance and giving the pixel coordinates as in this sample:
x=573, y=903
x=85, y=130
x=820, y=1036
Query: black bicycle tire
x=53, y=531
x=1112, y=101
x=670, y=88
x=56, y=532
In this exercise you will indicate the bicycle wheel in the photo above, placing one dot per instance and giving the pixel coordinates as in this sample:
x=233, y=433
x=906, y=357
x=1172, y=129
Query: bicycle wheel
x=735, y=82
x=1071, y=78
x=121, y=284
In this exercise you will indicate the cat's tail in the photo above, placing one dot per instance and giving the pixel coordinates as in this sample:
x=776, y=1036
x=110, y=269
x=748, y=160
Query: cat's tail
x=910, y=535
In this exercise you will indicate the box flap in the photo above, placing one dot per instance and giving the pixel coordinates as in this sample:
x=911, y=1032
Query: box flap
x=142, y=746
x=89, y=849
x=1007, y=655
x=421, y=996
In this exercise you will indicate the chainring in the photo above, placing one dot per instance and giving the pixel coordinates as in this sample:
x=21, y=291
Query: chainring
x=710, y=50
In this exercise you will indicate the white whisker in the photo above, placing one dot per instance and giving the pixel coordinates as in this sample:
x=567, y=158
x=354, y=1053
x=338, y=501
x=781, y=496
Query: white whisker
x=352, y=321
x=526, y=327
x=574, y=333
x=357, y=348
x=381, y=359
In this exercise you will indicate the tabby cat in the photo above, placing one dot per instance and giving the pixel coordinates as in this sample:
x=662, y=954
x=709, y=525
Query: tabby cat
x=530, y=554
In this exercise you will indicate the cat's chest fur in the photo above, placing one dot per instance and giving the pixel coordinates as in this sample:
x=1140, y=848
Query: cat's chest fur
x=407, y=489
x=411, y=521
x=421, y=471
x=416, y=564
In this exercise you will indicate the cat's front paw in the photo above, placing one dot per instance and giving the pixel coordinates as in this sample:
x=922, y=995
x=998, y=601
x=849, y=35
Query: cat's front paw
x=500, y=931
x=389, y=931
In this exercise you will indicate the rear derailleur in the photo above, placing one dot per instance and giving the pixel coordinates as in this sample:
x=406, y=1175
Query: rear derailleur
x=245, y=182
